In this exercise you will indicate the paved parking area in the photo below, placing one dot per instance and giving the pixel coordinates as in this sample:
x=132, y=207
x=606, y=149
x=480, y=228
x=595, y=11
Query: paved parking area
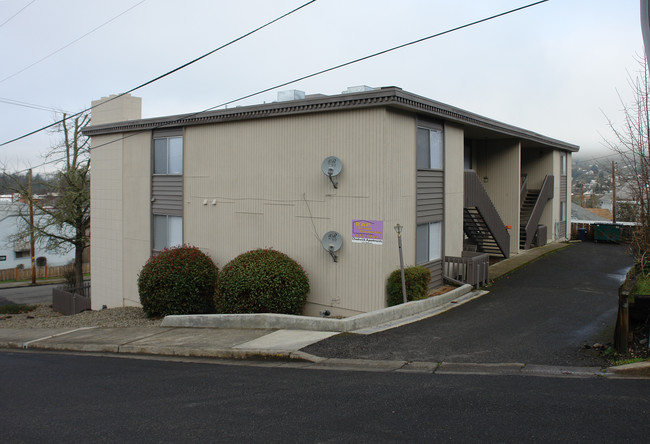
x=543, y=313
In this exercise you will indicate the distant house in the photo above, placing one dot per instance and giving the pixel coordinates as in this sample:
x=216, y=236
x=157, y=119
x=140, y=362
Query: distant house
x=602, y=213
x=587, y=215
x=262, y=176
x=16, y=252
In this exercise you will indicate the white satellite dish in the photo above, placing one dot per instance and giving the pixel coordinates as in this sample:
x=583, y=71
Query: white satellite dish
x=332, y=242
x=332, y=167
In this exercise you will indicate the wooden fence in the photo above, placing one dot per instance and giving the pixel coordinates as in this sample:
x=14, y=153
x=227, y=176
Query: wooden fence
x=18, y=274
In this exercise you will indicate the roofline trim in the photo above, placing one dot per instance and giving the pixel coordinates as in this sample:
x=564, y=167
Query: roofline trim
x=388, y=96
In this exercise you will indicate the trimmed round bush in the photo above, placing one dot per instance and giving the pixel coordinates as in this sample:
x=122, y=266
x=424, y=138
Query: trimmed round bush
x=416, y=279
x=179, y=280
x=262, y=281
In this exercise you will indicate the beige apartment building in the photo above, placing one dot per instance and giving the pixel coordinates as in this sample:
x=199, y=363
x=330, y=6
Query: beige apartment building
x=324, y=179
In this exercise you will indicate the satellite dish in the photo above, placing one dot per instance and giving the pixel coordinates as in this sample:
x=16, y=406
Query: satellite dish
x=332, y=242
x=332, y=167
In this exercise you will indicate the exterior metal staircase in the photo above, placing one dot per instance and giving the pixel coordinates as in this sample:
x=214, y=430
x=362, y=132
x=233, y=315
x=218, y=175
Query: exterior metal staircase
x=481, y=221
x=530, y=199
x=532, y=207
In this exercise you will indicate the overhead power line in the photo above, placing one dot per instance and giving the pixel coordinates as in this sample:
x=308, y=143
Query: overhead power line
x=12, y=17
x=28, y=105
x=71, y=43
x=167, y=73
x=314, y=74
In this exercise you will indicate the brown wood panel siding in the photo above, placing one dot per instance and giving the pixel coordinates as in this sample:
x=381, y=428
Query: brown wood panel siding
x=563, y=188
x=435, y=267
x=429, y=196
x=167, y=195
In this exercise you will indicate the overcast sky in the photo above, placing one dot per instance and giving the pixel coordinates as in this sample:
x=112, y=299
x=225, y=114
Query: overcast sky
x=554, y=68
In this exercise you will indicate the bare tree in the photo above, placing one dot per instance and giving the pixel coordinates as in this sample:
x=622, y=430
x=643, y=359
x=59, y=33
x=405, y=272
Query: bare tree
x=63, y=218
x=631, y=140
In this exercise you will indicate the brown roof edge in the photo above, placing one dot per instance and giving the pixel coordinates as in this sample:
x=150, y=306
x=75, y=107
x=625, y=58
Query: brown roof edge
x=390, y=96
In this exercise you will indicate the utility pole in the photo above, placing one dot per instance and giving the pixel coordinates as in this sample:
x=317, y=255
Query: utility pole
x=613, y=191
x=31, y=228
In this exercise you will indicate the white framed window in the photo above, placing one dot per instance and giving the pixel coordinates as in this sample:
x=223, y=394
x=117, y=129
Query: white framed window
x=563, y=165
x=168, y=155
x=429, y=148
x=563, y=211
x=167, y=231
x=428, y=240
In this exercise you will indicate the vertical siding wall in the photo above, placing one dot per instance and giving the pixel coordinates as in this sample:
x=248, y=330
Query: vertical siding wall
x=106, y=215
x=120, y=218
x=136, y=198
x=454, y=192
x=265, y=178
x=499, y=161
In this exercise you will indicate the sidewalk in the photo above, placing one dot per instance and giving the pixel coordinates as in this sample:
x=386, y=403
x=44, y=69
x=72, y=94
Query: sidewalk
x=280, y=344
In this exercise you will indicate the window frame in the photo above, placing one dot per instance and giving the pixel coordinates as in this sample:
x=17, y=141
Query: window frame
x=422, y=152
x=168, y=241
x=168, y=154
x=434, y=252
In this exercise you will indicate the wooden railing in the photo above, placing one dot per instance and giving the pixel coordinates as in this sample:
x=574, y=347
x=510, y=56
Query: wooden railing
x=472, y=268
x=25, y=274
x=477, y=197
x=69, y=301
x=545, y=194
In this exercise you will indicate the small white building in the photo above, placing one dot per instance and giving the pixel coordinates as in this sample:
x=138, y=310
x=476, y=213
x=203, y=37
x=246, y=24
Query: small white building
x=14, y=253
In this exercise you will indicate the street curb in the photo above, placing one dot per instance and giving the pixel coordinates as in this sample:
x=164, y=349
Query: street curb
x=292, y=322
x=312, y=362
x=637, y=369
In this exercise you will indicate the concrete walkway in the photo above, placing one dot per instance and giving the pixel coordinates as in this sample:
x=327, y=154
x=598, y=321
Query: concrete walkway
x=278, y=346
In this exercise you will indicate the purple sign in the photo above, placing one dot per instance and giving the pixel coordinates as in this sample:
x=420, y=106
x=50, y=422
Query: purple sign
x=368, y=231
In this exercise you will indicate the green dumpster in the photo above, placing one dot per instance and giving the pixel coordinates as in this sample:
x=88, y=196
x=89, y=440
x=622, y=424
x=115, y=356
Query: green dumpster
x=607, y=233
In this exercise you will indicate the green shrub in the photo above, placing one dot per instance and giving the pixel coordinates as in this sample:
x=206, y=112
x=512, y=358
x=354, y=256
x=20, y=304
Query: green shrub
x=417, y=285
x=178, y=280
x=262, y=281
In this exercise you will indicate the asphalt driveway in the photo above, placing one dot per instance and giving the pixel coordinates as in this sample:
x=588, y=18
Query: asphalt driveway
x=543, y=313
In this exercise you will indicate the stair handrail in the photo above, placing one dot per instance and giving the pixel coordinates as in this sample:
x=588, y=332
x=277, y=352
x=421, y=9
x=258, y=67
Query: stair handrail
x=477, y=197
x=545, y=194
x=524, y=189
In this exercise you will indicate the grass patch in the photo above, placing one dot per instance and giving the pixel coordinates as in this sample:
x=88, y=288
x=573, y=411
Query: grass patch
x=40, y=279
x=642, y=285
x=16, y=309
x=631, y=361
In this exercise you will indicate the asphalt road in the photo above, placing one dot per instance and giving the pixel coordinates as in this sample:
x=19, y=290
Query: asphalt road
x=59, y=398
x=543, y=313
x=37, y=294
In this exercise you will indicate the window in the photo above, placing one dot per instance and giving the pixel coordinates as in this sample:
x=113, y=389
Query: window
x=168, y=155
x=429, y=148
x=563, y=164
x=428, y=239
x=167, y=231
x=562, y=211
